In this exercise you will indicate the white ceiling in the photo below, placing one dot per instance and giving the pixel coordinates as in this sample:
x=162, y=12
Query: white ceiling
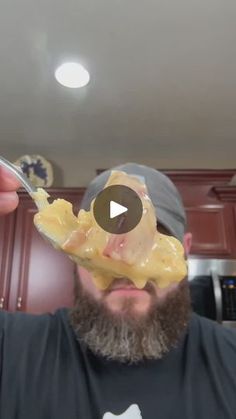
x=163, y=78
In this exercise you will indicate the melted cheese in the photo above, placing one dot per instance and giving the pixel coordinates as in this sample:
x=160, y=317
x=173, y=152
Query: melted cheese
x=140, y=255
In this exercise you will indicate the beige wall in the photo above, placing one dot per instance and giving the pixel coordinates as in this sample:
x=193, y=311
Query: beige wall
x=75, y=169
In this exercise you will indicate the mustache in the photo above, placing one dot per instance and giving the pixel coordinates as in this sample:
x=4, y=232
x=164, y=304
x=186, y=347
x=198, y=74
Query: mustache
x=120, y=282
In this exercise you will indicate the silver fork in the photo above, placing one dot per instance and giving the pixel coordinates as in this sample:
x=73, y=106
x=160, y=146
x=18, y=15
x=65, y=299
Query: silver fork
x=31, y=189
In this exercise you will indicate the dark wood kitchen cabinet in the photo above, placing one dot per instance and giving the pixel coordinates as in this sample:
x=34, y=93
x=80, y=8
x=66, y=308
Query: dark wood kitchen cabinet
x=35, y=278
x=210, y=218
x=211, y=227
x=210, y=221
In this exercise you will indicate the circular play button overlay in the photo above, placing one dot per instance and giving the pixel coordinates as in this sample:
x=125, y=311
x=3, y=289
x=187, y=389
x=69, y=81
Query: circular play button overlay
x=117, y=209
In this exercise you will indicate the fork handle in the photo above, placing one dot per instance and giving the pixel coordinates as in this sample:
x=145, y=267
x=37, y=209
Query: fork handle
x=21, y=176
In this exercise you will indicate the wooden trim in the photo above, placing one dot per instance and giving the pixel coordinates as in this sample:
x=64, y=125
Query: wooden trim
x=221, y=176
x=225, y=193
x=6, y=257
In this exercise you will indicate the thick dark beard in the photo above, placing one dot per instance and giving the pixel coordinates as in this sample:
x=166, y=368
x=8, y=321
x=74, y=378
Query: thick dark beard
x=126, y=338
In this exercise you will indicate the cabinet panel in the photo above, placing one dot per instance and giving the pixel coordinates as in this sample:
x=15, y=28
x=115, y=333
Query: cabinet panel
x=234, y=209
x=210, y=221
x=212, y=231
x=42, y=277
x=6, y=249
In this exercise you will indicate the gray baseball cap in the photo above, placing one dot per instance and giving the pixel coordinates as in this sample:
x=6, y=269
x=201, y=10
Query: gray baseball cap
x=165, y=197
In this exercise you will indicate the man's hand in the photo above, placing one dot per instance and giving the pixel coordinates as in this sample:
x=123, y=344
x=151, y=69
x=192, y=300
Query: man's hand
x=8, y=187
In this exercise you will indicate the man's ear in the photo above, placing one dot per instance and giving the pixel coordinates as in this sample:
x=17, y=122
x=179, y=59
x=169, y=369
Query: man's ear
x=187, y=242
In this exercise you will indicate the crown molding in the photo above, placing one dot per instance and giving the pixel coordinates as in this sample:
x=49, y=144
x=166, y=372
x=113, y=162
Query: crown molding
x=225, y=193
x=221, y=176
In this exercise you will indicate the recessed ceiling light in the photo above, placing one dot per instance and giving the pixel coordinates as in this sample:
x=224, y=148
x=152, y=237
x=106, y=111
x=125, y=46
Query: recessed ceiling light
x=72, y=75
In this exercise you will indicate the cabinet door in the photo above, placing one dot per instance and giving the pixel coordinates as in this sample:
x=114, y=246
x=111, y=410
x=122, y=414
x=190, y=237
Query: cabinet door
x=213, y=230
x=6, y=249
x=209, y=220
x=42, y=277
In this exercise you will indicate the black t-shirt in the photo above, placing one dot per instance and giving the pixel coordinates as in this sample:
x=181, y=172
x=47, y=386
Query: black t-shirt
x=46, y=374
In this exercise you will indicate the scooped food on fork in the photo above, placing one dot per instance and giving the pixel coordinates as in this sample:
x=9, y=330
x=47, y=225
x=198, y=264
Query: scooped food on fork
x=141, y=255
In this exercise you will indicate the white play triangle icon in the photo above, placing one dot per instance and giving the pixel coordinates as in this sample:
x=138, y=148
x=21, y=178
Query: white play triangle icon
x=116, y=209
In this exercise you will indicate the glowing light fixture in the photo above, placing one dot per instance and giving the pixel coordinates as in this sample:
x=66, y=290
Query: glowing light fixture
x=72, y=75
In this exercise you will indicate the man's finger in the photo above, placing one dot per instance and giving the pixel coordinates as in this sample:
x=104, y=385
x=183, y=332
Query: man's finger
x=8, y=202
x=8, y=181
